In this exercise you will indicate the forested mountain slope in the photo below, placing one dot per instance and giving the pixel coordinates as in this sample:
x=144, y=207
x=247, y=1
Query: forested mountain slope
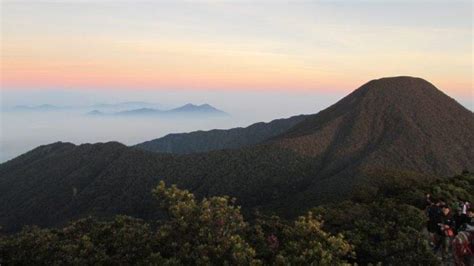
x=218, y=139
x=401, y=122
x=398, y=123
x=61, y=181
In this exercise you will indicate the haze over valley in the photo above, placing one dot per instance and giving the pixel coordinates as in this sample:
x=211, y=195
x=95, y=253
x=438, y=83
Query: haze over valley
x=31, y=118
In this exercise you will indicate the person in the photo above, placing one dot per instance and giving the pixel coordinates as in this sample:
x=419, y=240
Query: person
x=467, y=223
x=428, y=200
x=465, y=206
x=463, y=243
x=434, y=217
x=460, y=218
x=445, y=232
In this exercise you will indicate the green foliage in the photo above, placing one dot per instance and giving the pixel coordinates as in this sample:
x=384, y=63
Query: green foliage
x=383, y=231
x=210, y=231
x=456, y=188
x=301, y=242
x=202, y=232
x=306, y=242
x=385, y=220
x=402, y=186
x=85, y=242
x=383, y=223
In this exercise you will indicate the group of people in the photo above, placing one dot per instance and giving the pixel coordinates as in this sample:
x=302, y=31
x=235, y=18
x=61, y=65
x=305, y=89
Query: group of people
x=451, y=228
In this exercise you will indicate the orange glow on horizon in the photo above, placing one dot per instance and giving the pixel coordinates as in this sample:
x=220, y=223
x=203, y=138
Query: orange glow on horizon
x=90, y=47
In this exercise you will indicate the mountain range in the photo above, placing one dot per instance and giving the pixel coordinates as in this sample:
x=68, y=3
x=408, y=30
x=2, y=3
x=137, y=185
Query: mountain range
x=124, y=106
x=38, y=108
x=188, y=109
x=285, y=166
x=113, y=107
x=127, y=109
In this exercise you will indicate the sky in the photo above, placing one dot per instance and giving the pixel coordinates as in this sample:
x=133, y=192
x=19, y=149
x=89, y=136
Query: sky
x=234, y=46
x=257, y=60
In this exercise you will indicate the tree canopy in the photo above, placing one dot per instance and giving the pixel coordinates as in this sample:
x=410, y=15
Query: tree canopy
x=382, y=223
x=210, y=231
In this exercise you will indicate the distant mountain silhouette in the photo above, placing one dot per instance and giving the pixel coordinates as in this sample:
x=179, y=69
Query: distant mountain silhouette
x=127, y=109
x=38, y=108
x=95, y=112
x=217, y=139
x=141, y=111
x=399, y=123
x=124, y=106
x=197, y=109
x=103, y=107
x=185, y=110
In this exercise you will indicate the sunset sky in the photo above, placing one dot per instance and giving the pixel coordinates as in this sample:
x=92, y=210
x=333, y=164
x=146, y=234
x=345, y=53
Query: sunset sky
x=234, y=45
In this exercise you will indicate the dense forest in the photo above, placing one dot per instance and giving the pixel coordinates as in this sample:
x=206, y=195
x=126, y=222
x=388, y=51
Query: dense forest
x=399, y=123
x=218, y=139
x=383, y=222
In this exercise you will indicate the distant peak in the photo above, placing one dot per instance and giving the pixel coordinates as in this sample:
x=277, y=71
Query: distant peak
x=207, y=107
x=191, y=106
x=145, y=109
x=95, y=112
x=203, y=109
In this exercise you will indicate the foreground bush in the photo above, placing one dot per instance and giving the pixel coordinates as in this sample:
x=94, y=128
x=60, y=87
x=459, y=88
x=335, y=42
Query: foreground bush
x=383, y=231
x=202, y=232
x=385, y=221
x=279, y=242
x=210, y=231
x=122, y=241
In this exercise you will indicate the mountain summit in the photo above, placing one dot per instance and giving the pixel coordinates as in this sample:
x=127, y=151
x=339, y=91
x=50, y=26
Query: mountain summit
x=399, y=122
x=390, y=124
x=192, y=108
